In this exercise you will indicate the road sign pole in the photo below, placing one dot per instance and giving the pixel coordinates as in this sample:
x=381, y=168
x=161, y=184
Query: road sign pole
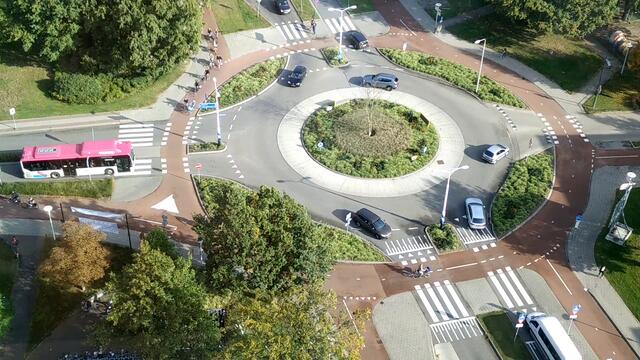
x=520, y=324
x=516, y=335
x=570, y=323
x=12, y=112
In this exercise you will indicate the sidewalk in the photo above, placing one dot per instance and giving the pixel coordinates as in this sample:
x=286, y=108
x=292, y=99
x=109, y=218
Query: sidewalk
x=580, y=251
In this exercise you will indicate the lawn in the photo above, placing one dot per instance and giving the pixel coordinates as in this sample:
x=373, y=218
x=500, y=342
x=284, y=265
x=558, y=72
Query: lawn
x=305, y=10
x=618, y=94
x=569, y=63
x=362, y=5
x=350, y=247
x=456, y=74
x=623, y=262
x=30, y=83
x=525, y=188
x=8, y=269
x=453, y=8
x=235, y=15
x=55, y=303
x=97, y=189
x=501, y=331
x=250, y=82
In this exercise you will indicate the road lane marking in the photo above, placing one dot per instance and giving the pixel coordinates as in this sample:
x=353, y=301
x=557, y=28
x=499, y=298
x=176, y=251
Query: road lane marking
x=436, y=302
x=461, y=266
x=515, y=279
x=503, y=294
x=558, y=275
x=426, y=303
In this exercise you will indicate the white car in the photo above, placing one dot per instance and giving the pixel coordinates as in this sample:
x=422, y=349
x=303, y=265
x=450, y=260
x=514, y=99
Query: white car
x=475, y=213
x=495, y=153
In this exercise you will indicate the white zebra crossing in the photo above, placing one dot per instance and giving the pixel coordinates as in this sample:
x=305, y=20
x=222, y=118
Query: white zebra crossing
x=139, y=167
x=455, y=330
x=510, y=288
x=470, y=236
x=292, y=31
x=442, y=302
x=335, y=24
x=139, y=135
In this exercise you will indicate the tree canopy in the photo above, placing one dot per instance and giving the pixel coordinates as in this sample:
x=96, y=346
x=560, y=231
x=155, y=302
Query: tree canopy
x=158, y=239
x=259, y=240
x=300, y=324
x=121, y=37
x=159, y=302
x=79, y=258
x=576, y=18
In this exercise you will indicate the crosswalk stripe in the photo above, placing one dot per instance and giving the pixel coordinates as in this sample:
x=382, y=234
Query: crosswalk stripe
x=348, y=21
x=445, y=298
x=124, y=126
x=127, y=136
x=328, y=22
x=140, y=139
x=512, y=291
x=496, y=283
x=301, y=30
x=336, y=24
x=422, y=297
x=286, y=30
x=280, y=30
x=294, y=31
x=141, y=144
x=141, y=167
x=456, y=298
x=514, y=278
x=439, y=307
x=142, y=161
x=131, y=131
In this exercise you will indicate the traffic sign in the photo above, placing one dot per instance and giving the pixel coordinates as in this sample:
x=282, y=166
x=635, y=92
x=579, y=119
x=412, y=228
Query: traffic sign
x=576, y=309
x=348, y=219
x=208, y=106
x=519, y=325
x=573, y=317
x=12, y=111
x=521, y=318
x=198, y=166
x=579, y=217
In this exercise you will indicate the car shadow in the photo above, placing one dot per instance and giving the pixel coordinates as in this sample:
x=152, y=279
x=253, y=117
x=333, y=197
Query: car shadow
x=282, y=78
x=474, y=152
x=356, y=80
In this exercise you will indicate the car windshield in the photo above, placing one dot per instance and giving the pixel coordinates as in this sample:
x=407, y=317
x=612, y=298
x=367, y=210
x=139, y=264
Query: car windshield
x=478, y=220
x=476, y=213
x=488, y=153
x=283, y=3
x=379, y=224
x=296, y=75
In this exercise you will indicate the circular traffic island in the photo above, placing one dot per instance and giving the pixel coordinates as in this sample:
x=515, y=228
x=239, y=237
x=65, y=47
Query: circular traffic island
x=370, y=138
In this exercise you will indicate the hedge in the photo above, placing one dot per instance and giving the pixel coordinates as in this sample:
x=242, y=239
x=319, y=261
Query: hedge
x=331, y=55
x=525, y=188
x=444, y=239
x=457, y=75
x=76, y=88
x=207, y=146
x=97, y=189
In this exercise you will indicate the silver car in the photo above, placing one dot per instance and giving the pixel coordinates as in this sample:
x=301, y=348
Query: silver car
x=475, y=213
x=495, y=153
x=381, y=81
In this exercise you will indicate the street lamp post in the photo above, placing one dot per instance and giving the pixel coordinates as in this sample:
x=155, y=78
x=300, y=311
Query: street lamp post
x=443, y=219
x=626, y=55
x=217, y=95
x=342, y=11
x=484, y=45
x=607, y=63
x=48, y=209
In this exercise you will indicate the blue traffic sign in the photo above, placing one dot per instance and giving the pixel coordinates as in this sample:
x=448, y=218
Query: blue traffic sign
x=579, y=217
x=208, y=106
x=521, y=317
x=576, y=308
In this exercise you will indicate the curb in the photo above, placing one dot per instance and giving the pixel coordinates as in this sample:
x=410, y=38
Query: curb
x=250, y=98
x=553, y=180
x=445, y=82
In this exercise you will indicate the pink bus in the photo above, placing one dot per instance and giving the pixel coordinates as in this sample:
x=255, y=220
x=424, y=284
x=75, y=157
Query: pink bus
x=104, y=157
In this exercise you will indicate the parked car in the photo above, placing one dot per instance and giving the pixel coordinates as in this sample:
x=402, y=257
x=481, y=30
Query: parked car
x=282, y=6
x=358, y=40
x=475, y=213
x=372, y=223
x=382, y=81
x=296, y=76
x=495, y=153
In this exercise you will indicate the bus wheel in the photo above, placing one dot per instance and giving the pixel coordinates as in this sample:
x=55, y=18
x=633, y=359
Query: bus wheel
x=108, y=172
x=55, y=175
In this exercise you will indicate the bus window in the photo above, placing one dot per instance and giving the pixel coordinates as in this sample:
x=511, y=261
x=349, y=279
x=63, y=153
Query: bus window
x=123, y=163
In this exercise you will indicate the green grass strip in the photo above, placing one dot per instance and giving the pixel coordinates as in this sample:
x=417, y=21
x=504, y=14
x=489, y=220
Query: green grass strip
x=457, y=75
x=502, y=331
x=236, y=15
x=525, y=188
x=349, y=247
x=250, y=82
x=97, y=189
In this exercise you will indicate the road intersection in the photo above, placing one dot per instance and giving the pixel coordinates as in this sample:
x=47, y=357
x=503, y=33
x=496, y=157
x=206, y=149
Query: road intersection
x=254, y=157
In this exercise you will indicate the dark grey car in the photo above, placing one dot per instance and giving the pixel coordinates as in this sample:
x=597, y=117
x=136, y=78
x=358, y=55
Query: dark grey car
x=372, y=222
x=381, y=81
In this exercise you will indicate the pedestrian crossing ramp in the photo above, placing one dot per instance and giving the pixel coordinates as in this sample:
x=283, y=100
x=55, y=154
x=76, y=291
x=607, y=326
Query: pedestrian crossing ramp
x=511, y=292
x=472, y=236
x=449, y=317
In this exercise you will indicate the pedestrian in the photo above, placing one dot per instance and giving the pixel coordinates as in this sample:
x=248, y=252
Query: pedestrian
x=215, y=42
x=313, y=26
x=186, y=103
x=206, y=74
x=14, y=242
x=601, y=272
x=210, y=33
x=219, y=61
x=503, y=53
x=197, y=85
x=217, y=33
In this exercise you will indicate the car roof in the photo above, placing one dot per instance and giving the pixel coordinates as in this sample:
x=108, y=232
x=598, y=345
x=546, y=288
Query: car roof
x=472, y=200
x=386, y=75
x=366, y=213
x=299, y=68
x=358, y=35
x=494, y=148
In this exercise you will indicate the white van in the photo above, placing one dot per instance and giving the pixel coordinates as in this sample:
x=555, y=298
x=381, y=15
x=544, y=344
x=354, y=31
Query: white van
x=551, y=337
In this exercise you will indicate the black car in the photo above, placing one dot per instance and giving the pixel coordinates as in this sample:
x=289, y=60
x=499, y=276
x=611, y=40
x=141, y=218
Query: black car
x=358, y=40
x=372, y=222
x=282, y=6
x=296, y=76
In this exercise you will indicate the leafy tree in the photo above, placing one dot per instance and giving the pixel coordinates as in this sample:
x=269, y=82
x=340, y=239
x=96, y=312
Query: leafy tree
x=630, y=6
x=260, y=240
x=159, y=240
x=572, y=17
x=79, y=258
x=158, y=301
x=301, y=324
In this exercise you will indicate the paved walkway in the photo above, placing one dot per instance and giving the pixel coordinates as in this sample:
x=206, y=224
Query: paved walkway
x=581, y=255
x=450, y=152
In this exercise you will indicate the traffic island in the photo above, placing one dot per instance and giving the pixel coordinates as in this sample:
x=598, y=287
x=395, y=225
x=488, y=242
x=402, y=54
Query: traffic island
x=331, y=57
x=370, y=138
x=206, y=147
x=444, y=239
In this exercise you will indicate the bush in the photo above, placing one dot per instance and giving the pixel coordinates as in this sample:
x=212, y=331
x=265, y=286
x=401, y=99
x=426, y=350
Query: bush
x=77, y=88
x=525, y=188
x=400, y=134
x=349, y=247
x=457, y=75
x=444, y=239
x=8, y=270
x=209, y=146
x=158, y=239
x=331, y=55
x=249, y=82
x=97, y=189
